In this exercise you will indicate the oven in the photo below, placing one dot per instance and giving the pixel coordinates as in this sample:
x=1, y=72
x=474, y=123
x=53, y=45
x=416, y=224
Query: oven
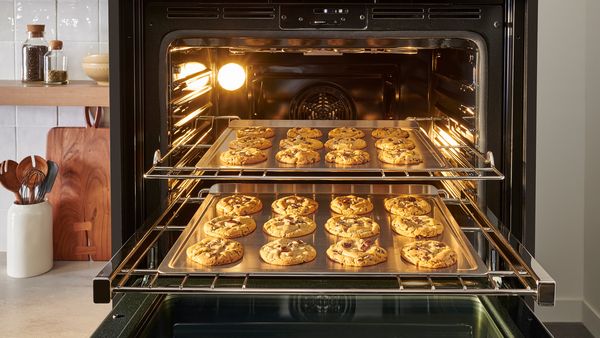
x=459, y=76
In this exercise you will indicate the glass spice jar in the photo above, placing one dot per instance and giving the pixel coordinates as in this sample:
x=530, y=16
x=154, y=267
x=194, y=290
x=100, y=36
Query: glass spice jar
x=55, y=64
x=34, y=49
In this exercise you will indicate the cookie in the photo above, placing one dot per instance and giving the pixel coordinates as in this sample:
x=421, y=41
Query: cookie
x=417, y=226
x=429, y=254
x=265, y=132
x=400, y=156
x=304, y=132
x=229, y=226
x=351, y=205
x=250, y=142
x=348, y=157
x=390, y=143
x=298, y=155
x=389, y=132
x=300, y=141
x=294, y=205
x=285, y=251
x=356, y=252
x=407, y=205
x=352, y=226
x=239, y=205
x=345, y=143
x=346, y=132
x=243, y=156
x=215, y=251
x=289, y=226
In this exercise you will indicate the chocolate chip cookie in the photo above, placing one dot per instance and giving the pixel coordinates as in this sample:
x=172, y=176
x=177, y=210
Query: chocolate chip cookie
x=429, y=254
x=348, y=157
x=389, y=132
x=289, y=226
x=257, y=131
x=417, y=226
x=294, y=205
x=229, y=226
x=352, y=226
x=356, y=252
x=351, y=205
x=304, y=132
x=285, y=251
x=239, y=205
x=215, y=251
x=407, y=205
x=243, y=156
x=298, y=155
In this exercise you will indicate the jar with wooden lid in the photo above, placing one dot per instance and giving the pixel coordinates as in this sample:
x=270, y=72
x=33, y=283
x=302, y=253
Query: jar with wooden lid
x=34, y=49
x=55, y=64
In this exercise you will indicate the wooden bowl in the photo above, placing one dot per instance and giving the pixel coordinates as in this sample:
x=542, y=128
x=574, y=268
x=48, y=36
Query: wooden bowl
x=96, y=67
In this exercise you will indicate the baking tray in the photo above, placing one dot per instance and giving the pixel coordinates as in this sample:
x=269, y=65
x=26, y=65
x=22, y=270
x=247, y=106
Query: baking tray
x=176, y=261
x=432, y=159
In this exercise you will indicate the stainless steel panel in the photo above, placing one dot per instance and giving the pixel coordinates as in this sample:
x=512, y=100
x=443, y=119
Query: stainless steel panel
x=469, y=263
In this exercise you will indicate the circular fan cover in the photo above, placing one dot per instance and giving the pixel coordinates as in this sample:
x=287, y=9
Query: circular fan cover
x=322, y=307
x=322, y=102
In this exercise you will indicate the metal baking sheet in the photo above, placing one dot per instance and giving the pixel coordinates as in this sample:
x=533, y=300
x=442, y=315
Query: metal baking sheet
x=176, y=261
x=432, y=159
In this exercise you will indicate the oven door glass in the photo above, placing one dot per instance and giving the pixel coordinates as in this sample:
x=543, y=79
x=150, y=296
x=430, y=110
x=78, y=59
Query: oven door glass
x=321, y=315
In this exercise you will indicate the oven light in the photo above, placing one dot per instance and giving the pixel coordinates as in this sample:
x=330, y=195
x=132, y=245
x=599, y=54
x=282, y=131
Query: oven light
x=190, y=68
x=231, y=76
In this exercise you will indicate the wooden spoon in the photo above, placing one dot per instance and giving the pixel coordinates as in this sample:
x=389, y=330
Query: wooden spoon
x=8, y=178
x=31, y=172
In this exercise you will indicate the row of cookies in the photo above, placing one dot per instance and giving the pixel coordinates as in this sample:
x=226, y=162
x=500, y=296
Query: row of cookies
x=300, y=147
x=354, y=250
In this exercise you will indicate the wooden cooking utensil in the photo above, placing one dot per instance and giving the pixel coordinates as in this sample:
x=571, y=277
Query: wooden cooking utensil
x=31, y=172
x=8, y=178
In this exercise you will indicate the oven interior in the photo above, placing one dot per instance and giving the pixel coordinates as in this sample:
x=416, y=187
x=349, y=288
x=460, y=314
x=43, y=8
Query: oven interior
x=315, y=79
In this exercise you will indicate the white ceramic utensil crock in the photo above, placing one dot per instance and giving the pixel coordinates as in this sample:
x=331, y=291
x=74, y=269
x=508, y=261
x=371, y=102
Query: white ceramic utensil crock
x=29, y=237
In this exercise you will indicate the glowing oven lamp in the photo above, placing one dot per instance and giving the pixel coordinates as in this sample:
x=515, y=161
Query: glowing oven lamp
x=231, y=76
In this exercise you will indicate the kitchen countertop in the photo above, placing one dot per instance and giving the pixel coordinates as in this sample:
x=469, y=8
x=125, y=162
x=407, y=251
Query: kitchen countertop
x=56, y=304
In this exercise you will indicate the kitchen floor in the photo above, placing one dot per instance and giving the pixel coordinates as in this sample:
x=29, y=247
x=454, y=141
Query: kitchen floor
x=56, y=304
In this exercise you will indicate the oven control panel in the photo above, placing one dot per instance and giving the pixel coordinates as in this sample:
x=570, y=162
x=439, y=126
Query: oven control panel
x=323, y=17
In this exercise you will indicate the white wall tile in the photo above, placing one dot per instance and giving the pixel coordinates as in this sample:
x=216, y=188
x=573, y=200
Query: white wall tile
x=103, y=19
x=18, y=57
x=8, y=144
x=31, y=141
x=78, y=20
x=7, y=60
x=38, y=12
x=103, y=48
x=75, y=52
x=71, y=116
x=7, y=116
x=36, y=116
x=7, y=21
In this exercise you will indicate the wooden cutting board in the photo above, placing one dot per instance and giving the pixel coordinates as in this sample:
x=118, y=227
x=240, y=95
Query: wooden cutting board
x=80, y=197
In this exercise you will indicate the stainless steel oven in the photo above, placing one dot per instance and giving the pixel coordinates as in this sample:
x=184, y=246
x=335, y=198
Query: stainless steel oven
x=185, y=75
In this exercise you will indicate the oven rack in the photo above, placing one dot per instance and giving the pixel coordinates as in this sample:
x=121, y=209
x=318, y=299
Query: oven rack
x=134, y=269
x=190, y=149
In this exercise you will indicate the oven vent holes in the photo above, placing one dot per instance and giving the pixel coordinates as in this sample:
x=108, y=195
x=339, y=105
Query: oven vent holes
x=422, y=13
x=248, y=13
x=322, y=102
x=193, y=13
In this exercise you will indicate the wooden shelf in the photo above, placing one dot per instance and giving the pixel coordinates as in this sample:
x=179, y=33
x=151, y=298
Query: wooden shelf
x=76, y=93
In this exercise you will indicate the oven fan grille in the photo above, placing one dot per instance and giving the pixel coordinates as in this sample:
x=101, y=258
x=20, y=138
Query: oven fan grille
x=322, y=102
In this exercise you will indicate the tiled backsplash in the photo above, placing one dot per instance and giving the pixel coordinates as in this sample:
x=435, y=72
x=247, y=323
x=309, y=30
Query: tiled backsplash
x=83, y=27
